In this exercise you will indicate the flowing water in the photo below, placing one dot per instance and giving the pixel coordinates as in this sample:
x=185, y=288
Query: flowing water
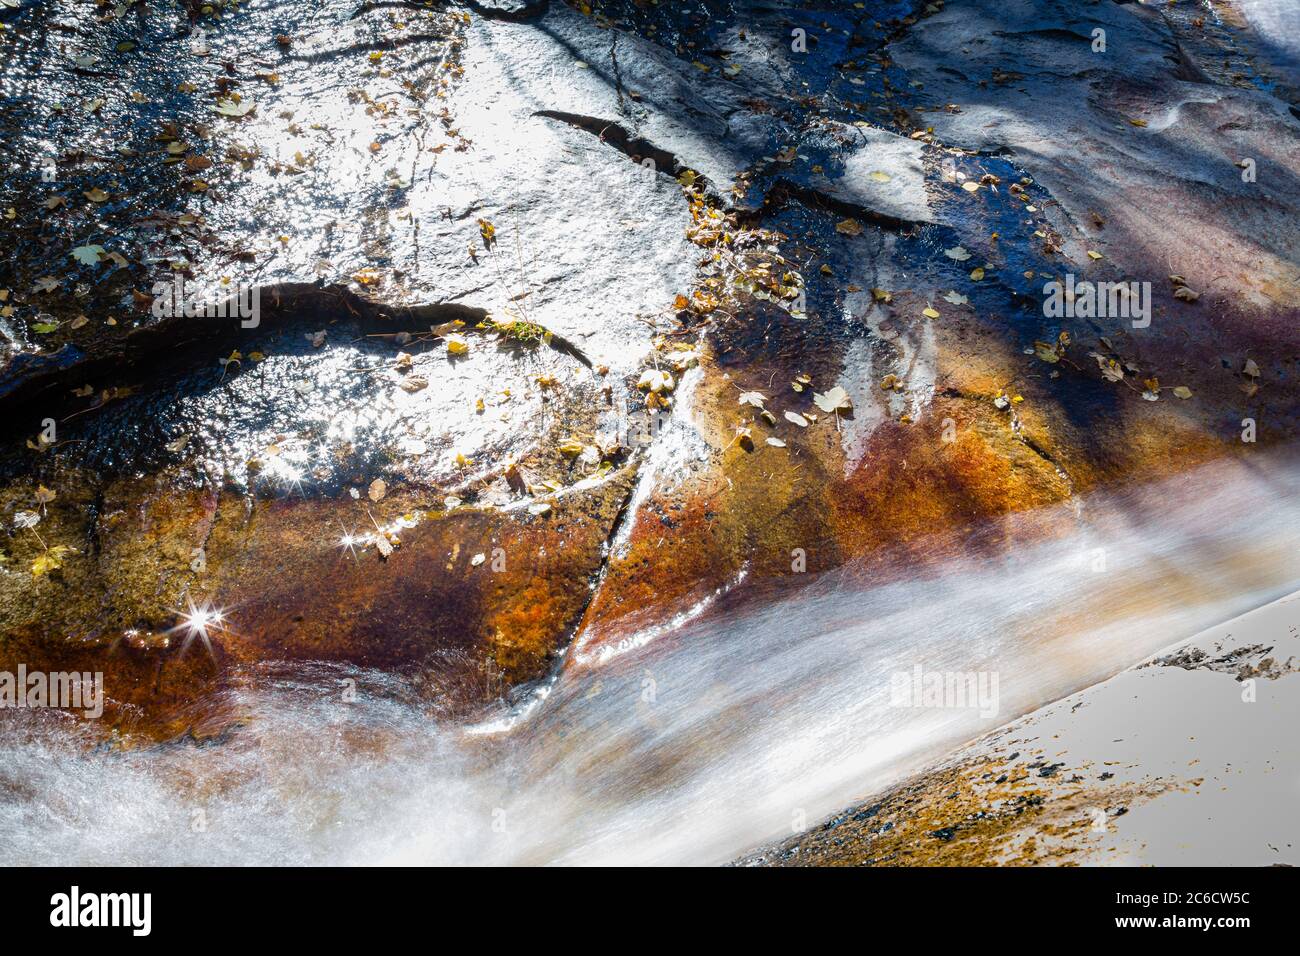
x=689, y=745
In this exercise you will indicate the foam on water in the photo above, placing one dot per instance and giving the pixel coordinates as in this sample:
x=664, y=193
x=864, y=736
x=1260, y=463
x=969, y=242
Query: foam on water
x=692, y=747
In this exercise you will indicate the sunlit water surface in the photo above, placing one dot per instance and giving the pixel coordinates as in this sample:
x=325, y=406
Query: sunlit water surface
x=692, y=746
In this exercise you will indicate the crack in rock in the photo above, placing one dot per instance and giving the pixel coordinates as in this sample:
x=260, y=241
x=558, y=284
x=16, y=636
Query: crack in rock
x=616, y=135
x=32, y=376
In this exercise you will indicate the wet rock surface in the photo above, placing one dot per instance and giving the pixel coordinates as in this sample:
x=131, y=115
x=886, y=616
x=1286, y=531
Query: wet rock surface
x=578, y=283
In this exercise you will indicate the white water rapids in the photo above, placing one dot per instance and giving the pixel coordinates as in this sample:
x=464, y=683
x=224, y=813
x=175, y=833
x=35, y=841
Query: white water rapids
x=693, y=748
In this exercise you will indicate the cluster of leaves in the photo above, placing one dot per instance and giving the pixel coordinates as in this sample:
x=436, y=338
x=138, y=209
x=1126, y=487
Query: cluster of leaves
x=740, y=260
x=520, y=330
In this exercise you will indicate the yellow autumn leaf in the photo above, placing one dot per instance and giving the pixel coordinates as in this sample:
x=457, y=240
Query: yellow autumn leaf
x=51, y=560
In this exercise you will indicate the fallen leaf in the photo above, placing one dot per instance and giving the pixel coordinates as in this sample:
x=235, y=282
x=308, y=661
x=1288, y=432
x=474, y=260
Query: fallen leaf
x=849, y=227
x=378, y=488
x=797, y=419
x=1182, y=391
x=836, y=400
x=1111, y=370
x=957, y=252
x=235, y=108
x=51, y=560
x=88, y=255
x=656, y=381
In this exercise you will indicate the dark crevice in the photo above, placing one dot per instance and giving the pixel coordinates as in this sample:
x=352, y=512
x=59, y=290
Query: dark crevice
x=1042, y=453
x=783, y=192
x=527, y=11
x=598, y=576
x=607, y=131
x=380, y=45
x=50, y=378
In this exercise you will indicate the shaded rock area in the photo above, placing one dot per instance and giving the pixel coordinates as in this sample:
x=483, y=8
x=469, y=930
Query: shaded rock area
x=575, y=317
